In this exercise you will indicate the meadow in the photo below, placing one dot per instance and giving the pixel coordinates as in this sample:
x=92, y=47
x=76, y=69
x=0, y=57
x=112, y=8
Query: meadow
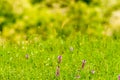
x=76, y=58
x=59, y=39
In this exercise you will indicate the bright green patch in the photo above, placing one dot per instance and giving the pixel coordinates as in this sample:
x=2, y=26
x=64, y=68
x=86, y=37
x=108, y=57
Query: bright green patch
x=38, y=60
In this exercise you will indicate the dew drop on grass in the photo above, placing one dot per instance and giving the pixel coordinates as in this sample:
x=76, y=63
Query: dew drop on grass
x=48, y=59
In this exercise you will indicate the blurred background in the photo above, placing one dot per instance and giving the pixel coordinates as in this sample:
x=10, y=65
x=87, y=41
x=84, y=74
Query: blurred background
x=47, y=19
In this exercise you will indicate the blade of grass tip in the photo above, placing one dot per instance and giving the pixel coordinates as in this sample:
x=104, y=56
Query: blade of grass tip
x=58, y=71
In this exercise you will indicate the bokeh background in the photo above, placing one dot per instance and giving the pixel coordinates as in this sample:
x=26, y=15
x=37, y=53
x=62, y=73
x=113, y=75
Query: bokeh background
x=47, y=19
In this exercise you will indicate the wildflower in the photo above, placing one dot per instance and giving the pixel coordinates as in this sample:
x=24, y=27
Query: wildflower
x=26, y=56
x=58, y=71
x=59, y=59
x=118, y=77
x=83, y=63
x=71, y=49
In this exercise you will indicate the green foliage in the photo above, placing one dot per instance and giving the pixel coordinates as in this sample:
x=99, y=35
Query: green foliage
x=51, y=18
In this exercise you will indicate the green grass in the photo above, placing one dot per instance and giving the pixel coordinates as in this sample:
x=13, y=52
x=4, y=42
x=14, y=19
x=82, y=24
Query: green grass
x=101, y=55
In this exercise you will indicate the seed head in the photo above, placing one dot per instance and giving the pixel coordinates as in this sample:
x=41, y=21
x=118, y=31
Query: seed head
x=59, y=59
x=26, y=56
x=58, y=71
x=83, y=63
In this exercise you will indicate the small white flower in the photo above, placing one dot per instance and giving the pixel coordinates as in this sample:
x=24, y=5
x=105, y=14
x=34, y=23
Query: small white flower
x=71, y=49
x=93, y=71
